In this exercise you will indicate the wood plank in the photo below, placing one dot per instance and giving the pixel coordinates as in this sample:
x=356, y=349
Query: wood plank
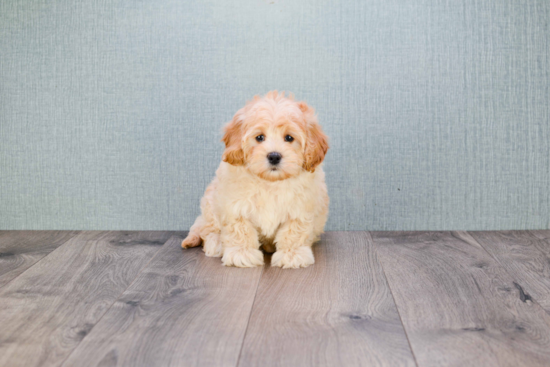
x=184, y=309
x=522, y=254
x=543, y=235
x=19, y=250
x=46, y=311
x=338, y=312
x=459, y=306
x=544, y=242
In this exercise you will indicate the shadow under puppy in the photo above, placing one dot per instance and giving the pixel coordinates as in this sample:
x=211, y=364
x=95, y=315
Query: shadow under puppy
x=269, y=188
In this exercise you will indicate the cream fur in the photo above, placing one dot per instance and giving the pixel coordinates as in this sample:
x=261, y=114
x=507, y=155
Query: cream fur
x=249, y=203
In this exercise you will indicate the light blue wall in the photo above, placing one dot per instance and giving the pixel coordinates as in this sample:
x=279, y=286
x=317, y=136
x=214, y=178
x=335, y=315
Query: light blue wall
x=110, y=111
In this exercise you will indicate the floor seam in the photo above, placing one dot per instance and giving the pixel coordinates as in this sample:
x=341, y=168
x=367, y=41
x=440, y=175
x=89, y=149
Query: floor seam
x=393, y=297
x=250, y=316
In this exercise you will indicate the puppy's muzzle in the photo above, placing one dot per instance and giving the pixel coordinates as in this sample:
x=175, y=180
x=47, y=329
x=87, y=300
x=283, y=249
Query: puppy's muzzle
x=274, y=158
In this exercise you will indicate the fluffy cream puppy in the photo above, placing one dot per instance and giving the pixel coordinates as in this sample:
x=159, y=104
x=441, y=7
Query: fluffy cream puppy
x=269, y=188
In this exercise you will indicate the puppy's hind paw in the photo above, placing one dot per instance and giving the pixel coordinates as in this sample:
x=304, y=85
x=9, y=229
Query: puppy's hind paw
x=242, y=257
x=300, y=257
x=192, y=240
x=269, y=247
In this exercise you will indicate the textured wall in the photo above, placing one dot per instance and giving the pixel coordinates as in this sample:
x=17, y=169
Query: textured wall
x=110, y=111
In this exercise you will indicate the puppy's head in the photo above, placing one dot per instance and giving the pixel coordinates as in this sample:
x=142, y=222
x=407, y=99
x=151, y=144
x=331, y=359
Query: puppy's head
x=275, y=138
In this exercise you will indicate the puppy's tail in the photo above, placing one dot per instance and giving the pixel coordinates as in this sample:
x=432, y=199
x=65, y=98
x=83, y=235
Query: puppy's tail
x=193, y=239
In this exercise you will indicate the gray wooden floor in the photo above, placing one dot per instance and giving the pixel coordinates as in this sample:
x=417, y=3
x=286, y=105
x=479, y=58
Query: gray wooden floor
x=383, y=298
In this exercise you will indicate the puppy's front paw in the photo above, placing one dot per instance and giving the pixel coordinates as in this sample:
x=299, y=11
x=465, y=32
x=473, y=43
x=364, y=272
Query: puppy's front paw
x=242, y=257
x=213, y=250
x=300, y=257
x=212, y=247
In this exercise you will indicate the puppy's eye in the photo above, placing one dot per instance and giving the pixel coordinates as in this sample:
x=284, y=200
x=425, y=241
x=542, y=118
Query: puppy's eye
x=289, y=138
x=260, y=138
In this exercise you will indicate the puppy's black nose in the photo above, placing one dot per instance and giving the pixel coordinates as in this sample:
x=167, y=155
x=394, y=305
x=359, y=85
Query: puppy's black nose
x=274, y=158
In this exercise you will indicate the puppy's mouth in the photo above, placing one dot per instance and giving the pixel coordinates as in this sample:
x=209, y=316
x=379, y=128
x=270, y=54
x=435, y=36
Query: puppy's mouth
x=274, y=173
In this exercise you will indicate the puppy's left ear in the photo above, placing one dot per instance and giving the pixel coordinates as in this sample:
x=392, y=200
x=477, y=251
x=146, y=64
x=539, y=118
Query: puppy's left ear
x=232, y=138
x=316, y=142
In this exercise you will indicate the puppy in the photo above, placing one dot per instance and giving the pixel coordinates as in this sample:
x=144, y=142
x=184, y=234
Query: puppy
x=269, y=188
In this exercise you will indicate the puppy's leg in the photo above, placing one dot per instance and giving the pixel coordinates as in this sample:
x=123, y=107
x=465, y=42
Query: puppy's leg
x=294, y=240
x=212, y=246
x=240, y=244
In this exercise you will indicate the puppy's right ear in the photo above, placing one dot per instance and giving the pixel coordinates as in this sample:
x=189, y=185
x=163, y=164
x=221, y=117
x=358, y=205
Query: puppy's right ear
x=232, y=138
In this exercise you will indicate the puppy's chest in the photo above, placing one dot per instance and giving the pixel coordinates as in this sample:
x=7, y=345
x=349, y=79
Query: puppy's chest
x=271, y=207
